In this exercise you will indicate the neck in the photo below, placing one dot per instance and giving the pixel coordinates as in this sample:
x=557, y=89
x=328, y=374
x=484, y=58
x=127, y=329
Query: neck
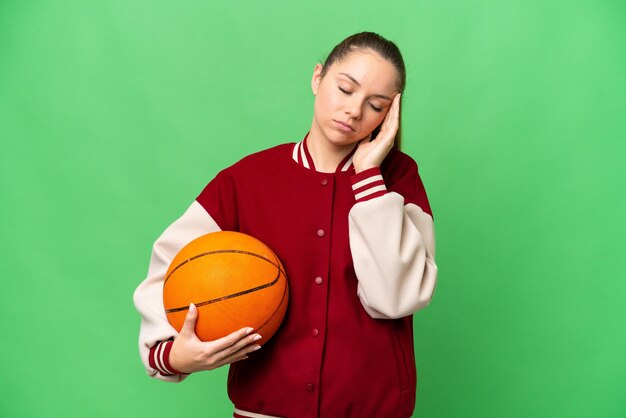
x=326, y=155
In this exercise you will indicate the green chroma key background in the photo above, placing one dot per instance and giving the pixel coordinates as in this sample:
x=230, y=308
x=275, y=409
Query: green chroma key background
x=114, y=115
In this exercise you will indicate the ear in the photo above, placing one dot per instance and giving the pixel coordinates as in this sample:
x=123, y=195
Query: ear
x=317, y=78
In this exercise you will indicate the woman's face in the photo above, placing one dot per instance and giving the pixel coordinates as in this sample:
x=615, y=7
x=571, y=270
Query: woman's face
x=356, y=91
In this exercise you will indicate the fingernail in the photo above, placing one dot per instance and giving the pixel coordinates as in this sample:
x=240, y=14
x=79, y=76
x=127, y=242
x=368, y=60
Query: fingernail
x=192, y=307
x=257, y=337
x=249, y=330
x=256, y=347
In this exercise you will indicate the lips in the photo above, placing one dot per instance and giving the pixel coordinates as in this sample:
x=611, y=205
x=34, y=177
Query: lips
x=344, y=124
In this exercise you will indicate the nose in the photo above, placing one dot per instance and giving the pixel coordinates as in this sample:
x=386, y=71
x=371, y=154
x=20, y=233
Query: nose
x=353, y=108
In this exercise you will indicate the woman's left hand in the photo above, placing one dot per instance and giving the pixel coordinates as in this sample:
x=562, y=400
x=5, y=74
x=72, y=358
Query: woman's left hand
x=371, y=154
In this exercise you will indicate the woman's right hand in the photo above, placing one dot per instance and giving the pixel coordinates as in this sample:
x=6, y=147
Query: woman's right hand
x=189, y=354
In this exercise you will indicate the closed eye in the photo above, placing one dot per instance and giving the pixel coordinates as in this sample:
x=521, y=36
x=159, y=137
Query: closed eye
x=376, y=109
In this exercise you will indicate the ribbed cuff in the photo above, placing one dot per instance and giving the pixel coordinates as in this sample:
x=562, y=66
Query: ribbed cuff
x=368, y=184
x=159, y=358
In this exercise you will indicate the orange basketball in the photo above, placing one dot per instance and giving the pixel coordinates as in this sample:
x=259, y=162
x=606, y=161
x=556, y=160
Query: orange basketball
x=234, y=280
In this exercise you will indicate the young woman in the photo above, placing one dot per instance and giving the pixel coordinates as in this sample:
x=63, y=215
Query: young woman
x=346, y=212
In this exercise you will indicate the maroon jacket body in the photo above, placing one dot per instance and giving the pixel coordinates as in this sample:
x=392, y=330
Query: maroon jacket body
x=333, y=356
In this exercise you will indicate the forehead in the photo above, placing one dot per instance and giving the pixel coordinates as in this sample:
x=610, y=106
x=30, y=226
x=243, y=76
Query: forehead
x=371, y=70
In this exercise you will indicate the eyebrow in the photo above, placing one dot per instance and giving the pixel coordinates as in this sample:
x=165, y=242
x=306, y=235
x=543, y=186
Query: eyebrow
x=381, y=96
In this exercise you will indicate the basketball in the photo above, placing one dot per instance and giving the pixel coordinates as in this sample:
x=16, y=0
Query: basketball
x=234, y=280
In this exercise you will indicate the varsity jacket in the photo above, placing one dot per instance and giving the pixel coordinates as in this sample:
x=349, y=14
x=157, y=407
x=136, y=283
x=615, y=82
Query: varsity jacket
x=359, y=253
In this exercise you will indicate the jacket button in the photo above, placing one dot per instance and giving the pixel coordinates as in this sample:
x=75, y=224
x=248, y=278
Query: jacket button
x=320, y=233
x=310, y=387
x=319, y=280
x=324, y=182
x=315, y=332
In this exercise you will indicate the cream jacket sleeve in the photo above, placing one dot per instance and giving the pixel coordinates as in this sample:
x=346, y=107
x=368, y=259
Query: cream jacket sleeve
x=392, y=241
x=148, y=297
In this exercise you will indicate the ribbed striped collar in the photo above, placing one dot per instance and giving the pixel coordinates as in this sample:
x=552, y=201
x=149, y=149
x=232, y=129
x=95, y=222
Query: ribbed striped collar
x=302, y=156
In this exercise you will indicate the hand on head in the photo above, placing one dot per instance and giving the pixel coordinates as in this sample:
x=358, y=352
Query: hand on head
x=371, y=154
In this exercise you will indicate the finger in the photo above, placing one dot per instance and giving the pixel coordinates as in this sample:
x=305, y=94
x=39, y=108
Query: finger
x=394, y=112
x=248, y=341
x=394, y=116
x=387, y=130
x=231, y=339
x=238, y=359
x=385, y=124
x=228, y=361
x=397, y=113
x=189, y=325
x=393, y=109
x=240, y=353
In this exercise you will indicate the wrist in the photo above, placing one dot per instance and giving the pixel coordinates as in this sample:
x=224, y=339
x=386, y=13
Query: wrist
x=159, y=358
x=359, y=169
x=368, y=184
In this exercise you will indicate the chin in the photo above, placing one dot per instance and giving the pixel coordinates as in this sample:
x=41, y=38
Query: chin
x=343, y=140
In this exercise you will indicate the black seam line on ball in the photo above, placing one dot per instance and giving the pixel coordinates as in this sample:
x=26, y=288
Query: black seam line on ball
x=282, y=300
x=234, y=295
x=222, y=252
